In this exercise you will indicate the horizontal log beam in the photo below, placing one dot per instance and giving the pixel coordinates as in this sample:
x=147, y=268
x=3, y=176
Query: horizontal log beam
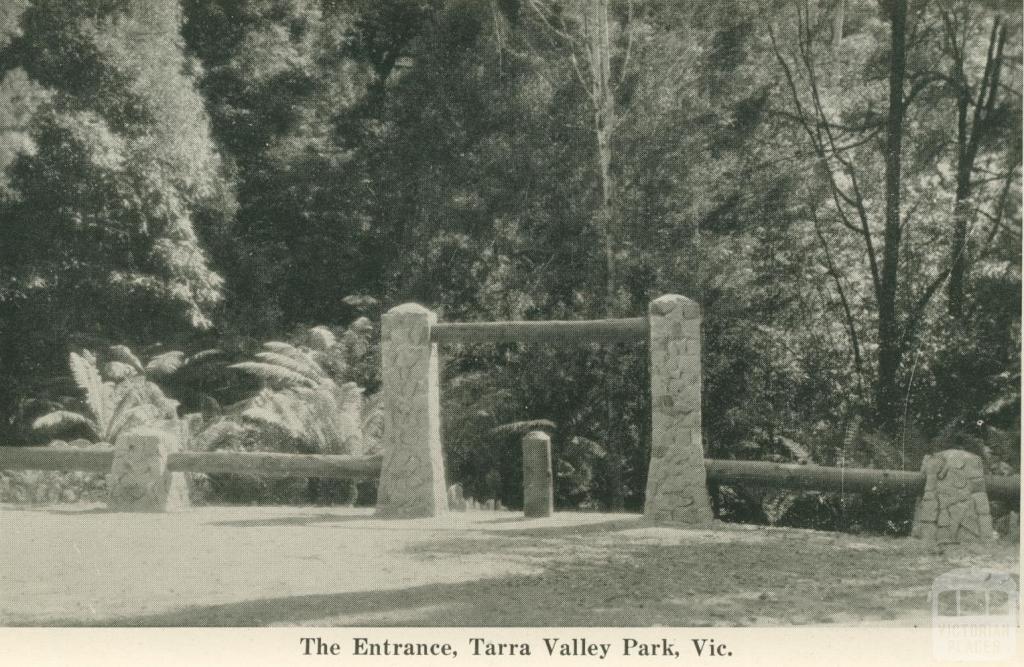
x=269, y=464
x=562, y=332
x=240, y=463
x=97, y=459
x=719, y=471
x=827, y=478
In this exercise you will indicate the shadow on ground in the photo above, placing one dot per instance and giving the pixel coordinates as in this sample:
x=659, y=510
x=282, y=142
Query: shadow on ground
x=297, y=520
x=688, y=584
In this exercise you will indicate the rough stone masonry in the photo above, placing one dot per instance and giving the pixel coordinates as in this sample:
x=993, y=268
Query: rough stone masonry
x=412, y=480
x=954, y=506
x=139, y=480
x=677, y=481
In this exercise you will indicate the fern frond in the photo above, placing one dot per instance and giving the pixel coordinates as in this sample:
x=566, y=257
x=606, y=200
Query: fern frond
x=284, y=348
x=133, y=393
x=151, y=393
x=798, y=451
x=524, y=427
x=277, y=409
x=124, y=396
x=273, y=373
x=293, y=411
x=267, y=416
x=139, y=415
x=321, y=338
x=87, y=377
x=302, y=366
x=59, y=420
x=204, y=355
x=117, y=371
x=219, y=433
x=239, y=407
x=362, y=326
x=350, y=417
x=372, y=423
x=306, y=356
x=166, y=363
x=125, y=356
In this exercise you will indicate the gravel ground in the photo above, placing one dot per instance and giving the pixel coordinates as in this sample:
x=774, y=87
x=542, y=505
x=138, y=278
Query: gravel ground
x=256, y=566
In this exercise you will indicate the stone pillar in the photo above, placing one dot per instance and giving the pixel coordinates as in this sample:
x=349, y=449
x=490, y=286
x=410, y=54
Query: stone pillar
x=538, y=481
x=456, y=499
x=139, y=480
x=953, y=508
x=676, y=481
x=412, y=474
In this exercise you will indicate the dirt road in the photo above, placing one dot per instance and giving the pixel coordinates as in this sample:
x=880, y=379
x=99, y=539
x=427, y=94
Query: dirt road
x=254, y=566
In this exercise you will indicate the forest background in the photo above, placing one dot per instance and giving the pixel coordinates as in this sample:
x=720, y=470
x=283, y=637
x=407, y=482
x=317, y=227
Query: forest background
x=837, y=182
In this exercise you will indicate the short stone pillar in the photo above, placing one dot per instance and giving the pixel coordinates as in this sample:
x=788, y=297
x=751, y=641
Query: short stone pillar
x=953, y=508
x=412, y=480
x=139, y=480
x=676, y=481
x=538, y=481
x=456, y=498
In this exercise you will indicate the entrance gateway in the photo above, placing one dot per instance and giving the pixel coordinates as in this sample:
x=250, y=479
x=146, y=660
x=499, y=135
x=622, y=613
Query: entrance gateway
x=412, y=479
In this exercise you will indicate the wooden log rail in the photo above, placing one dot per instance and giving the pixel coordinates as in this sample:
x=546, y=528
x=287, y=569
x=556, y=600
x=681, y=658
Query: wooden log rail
x=238, y=463
x=578, y=332
x=850, y=480
x=719, y=471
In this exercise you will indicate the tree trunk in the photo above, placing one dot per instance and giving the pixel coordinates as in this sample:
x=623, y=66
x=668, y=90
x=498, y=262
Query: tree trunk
x=599, y=44
x=599, y=34
x=968, y=140
x=838, y=18
x=889, y=353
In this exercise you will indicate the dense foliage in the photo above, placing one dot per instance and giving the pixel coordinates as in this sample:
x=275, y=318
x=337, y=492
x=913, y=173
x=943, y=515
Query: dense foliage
x=836, y=181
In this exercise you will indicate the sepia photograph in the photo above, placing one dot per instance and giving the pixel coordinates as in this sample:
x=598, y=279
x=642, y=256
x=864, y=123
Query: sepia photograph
x=405, y=314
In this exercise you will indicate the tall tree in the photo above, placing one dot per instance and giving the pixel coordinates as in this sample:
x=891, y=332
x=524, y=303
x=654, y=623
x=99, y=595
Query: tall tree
x=981, y=104
x=889, y=345
x=102, y=231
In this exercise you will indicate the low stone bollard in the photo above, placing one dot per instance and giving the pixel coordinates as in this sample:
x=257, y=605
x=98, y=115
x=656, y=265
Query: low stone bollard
x=456, y=499
x=538, y=481
x=953, y=508
x=139, y=480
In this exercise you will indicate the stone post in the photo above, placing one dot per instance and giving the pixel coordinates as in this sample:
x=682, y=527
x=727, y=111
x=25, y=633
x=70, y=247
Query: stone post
x=139, y=480
x=953, y=508
x=456, y=498
x=412, y=474
x=676, y=481
x=538, y=481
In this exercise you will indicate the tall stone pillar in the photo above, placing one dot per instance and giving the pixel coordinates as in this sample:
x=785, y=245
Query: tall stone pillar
x=139, y=480
x=676, y=481
x=412, y=474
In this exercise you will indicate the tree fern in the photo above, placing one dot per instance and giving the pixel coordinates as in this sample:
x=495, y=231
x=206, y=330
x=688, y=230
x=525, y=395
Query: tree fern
x=110, y=408
x=63, y=419
x=274, y=374
x=303, y=366
x=321, y=338
x=117, y=371
x=122, y=354
x=97, y=392
x=303, y=398
x=165, y=364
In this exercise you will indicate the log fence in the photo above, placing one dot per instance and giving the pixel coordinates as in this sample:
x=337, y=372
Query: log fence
x=411, y=469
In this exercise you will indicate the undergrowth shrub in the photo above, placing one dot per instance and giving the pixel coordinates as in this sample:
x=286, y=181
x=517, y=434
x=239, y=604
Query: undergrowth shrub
x=307, y=403
x=44, y=487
